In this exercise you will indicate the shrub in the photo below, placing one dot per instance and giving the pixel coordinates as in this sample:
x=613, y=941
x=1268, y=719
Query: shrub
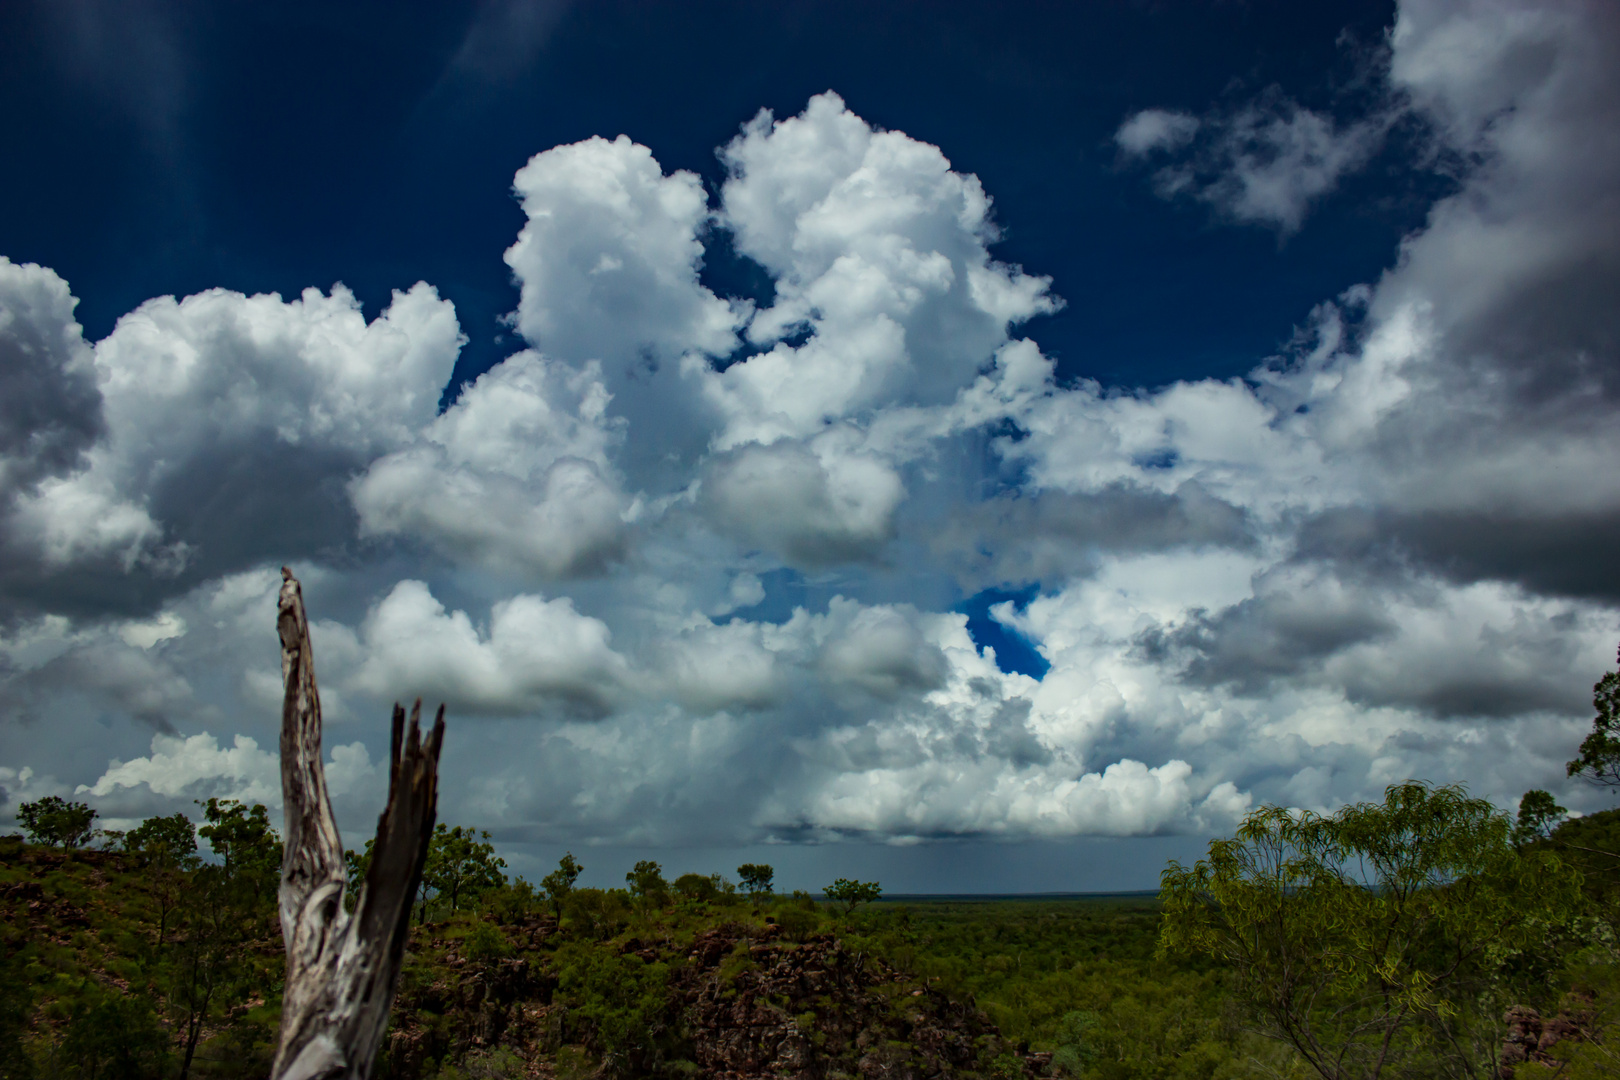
x=484, y=943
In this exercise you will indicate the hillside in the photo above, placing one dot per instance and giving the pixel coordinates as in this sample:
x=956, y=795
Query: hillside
x=122, y=966
x=115, y=967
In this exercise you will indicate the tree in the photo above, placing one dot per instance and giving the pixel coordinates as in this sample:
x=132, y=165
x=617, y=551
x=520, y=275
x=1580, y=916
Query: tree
x=167, y=849
x=461, y=862
x=342, y=969
x=1075, y=1051
x=114, y=1038
x=703, y=888
x=357, y=865
x=560, y=882
x=850, y=893
x=52, y=820
x=756, y=879
x=1598, y=759
x=1365, y=939
x=243, y=838
x=647, y=882
x=172, y=838
x=1538, y=816
x=203, y=974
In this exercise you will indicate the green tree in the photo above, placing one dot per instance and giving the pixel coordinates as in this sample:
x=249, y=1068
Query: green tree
x=1366, y=939
x=461, y=862
x=247, y=845
x=704, y=888
x=1538, y=816
x=1075, y=1052
x=207, y=973
x=114, y=1038
x=55, y=821
x=173, y=837
x=166, y=848
x=560, y=882
x=1598, y=759
x=850, y=893
x=647, y=882
x=756, y=879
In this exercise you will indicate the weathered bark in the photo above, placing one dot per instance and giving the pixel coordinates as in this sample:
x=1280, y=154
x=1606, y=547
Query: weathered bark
x=342, y=969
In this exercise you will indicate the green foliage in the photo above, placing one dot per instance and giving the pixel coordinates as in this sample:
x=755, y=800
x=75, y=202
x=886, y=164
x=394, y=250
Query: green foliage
x=621, y=1005
x=499, y=1063
x=1591, y=844
x=597, y=914
x=1598, y=759
x=1365, y=939
x=461, y=863
x=114, y=1038
x=1075, y=1052
x=756, y=879
x=798, y=915
x=15, y=1063
x=163, y=839
x=647, y=883
x=484, y=943
x=242, y=837
x=560, y=882
x=52, y=820
x=702, y=888
x=510, y=902
x=1538, y=815
x=357, y=864
x=851, y=893
x=1030, y=963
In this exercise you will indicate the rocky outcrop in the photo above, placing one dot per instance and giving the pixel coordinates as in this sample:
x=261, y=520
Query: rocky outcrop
x=1531, y=1037
x=745, y=1003
x=472, y=1005
x=757, y=1006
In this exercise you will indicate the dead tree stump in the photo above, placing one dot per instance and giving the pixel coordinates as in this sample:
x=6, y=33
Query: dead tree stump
x=342, y=969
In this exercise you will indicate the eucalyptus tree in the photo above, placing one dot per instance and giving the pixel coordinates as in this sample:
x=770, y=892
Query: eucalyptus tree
x=558, y=884
x=55, y=821
x=461, y=862
x=1373, y=940
x=1598, y=759
x=851, y=893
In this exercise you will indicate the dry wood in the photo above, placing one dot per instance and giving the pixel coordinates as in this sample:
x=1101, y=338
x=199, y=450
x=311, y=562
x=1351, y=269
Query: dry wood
x=342, y=969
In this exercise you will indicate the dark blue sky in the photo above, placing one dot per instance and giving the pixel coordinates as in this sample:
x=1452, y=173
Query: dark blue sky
x=170, y=148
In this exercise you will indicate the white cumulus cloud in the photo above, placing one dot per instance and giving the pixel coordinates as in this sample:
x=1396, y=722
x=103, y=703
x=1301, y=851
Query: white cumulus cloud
x=536, y=655
x=515, y=475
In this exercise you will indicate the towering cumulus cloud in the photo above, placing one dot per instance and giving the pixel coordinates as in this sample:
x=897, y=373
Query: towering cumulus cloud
x=224, y=420
x=685, y=562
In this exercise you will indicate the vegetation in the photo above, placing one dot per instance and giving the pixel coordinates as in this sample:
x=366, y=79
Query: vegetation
x=756, y=879
x=852, y=893
x=461, y=864
x=1423, y=935
x=1598, y=759
x=558, y=884
x=53, y=821
x=1373, y=942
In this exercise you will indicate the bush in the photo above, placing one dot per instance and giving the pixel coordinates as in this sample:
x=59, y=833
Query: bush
x=511, y=902
x=484, y=943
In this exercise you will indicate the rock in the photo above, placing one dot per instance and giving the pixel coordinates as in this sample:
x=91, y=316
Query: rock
x=1531, y=1038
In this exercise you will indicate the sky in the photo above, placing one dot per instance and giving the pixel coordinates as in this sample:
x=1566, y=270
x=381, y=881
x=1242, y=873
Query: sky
x=980, y=448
